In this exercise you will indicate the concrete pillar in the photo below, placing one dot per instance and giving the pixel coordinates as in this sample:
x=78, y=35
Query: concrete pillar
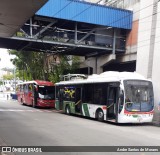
x=145, y=39
x=99, y=69
x=114, y=41
x=91, y=62
x=97, y=63
x=156, y=70
x=148, y=56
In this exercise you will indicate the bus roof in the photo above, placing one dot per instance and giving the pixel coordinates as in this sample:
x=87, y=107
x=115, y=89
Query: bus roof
x=110, y=76
x=39, y=82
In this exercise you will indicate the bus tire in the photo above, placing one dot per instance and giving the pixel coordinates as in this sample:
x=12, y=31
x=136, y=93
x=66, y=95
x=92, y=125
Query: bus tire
x=100, y=115
x=67, y=110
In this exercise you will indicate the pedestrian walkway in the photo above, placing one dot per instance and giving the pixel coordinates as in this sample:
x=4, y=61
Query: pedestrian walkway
x=5, y=96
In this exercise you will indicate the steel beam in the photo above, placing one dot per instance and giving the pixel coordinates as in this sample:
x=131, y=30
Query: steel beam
x=59, y=43
x=88, y=34
x=44, y=29
x=114, y=42
x=75, y=41
x=31, y=32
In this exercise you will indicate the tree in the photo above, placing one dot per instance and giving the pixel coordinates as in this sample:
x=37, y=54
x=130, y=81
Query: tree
x=64, y=67
x=8, y=77
x=30, y=65
x=35, y=65
x=1, y=82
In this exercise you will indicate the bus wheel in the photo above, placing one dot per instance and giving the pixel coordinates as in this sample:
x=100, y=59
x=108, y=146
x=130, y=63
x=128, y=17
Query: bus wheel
x=67, y=110
x=100, y=115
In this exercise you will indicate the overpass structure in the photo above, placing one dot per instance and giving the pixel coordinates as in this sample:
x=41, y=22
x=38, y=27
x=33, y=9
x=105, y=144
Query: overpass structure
x=67, y=27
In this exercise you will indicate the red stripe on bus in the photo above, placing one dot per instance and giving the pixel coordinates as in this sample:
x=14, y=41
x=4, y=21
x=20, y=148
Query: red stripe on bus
x=137, y=112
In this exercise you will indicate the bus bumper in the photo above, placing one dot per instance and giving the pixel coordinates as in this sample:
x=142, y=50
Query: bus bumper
x=146, y=118
x=44, y=103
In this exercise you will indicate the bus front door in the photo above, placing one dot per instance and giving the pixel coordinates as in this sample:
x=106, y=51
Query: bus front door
x=61, y=95
x=78, y=101
x=112, y=102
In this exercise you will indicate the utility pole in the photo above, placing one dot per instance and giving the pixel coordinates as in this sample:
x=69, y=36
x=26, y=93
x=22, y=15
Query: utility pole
x=15, y=79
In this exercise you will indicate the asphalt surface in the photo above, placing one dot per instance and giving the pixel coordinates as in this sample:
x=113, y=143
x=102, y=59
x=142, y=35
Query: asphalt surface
x=25, y=126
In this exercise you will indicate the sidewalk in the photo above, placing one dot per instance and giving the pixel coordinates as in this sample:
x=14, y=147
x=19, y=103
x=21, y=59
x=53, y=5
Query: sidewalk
x=3, y=96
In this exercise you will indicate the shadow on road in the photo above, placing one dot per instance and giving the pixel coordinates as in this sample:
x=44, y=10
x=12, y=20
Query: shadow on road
x=112, y=123
x=92, y=119
x=38, y=107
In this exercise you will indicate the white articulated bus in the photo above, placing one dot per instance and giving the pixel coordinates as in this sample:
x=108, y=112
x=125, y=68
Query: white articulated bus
x=121, y=97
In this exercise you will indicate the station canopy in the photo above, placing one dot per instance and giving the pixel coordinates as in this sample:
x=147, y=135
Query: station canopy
x=63, y=26
x=14, y=13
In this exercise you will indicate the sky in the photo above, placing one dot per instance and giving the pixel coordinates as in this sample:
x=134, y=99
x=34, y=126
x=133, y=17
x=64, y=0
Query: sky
x=5, y=59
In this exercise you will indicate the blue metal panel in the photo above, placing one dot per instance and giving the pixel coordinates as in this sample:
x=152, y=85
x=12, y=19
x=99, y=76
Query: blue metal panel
x=87, y=13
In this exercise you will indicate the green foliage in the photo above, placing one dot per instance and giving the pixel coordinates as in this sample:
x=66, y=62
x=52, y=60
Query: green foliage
x=8, y=77
x=29, y=65
x=35, y=65
x=64, y=67
x=1, y=83
x=75, y=64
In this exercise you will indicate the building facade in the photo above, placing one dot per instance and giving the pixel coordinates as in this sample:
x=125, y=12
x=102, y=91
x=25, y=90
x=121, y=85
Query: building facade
x=148, y=55
x=143, y=42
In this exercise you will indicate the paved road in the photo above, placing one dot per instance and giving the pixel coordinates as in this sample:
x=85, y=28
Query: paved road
x=23, y=125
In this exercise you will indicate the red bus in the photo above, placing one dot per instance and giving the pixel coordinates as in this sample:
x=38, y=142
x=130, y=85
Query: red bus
x=36, y=93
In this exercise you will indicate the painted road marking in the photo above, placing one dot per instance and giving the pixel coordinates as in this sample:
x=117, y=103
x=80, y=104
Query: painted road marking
x=22, y=110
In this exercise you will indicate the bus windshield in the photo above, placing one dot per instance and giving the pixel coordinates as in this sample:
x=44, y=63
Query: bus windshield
x=46, y=92
x=138, y=95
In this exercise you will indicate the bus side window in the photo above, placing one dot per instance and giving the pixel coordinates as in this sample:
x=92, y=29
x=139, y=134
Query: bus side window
x=17, y=88
x=30, y=87
x=25, y=88
x=61, y=93
x=88, y=94
x=21, y=88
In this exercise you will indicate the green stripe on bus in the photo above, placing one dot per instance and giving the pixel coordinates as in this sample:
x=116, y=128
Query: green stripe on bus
x=86, y=111
x=134, y=116
x=71, y=106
